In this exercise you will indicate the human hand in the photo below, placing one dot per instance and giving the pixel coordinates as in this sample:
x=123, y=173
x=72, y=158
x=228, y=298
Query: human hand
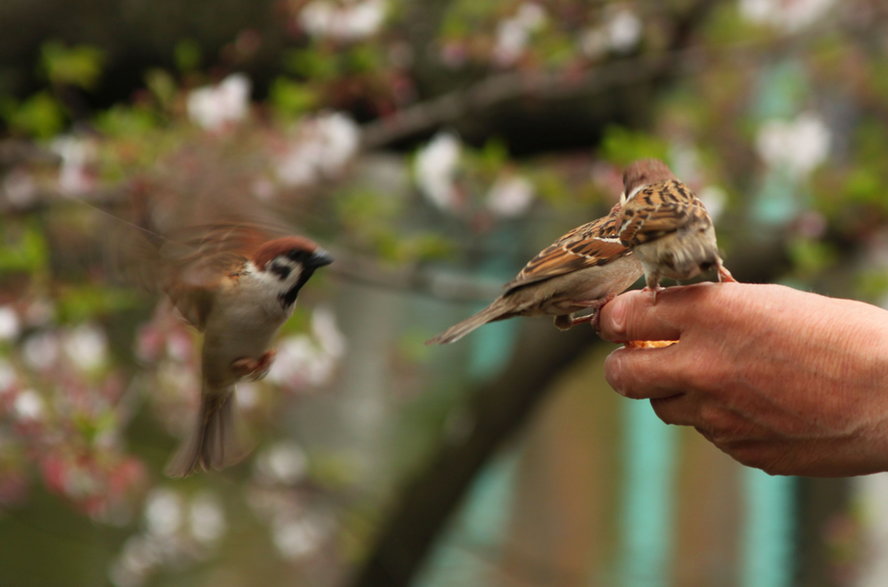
x=786, y=381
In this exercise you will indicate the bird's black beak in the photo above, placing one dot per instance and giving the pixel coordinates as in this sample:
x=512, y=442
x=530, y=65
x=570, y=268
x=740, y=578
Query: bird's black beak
x=319, y=258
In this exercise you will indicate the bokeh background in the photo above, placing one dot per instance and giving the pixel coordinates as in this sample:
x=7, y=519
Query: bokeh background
x=434, y=147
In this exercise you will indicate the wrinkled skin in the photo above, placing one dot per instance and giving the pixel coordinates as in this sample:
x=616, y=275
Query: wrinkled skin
x=790, y=382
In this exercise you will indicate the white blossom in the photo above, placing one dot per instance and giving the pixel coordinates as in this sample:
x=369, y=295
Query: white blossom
x=294, y=538
x=436, y=167
x=9, y=323
x=179, y=346
x=217, y=106
x=324, y=328
x=309, y=359
x=247, y=396
x=714, y=198
x=28, y=405
x=510, y=196
x=513, y=34
x=163, y=512
x=788, y=15
x=352, y=21
x=798, y=145
x=75, y=153
x=86, y=346
x=284, y=462
x=323, y=145
x=206, y=518
x=300, y=361
x=623, y=29
x=620, y=31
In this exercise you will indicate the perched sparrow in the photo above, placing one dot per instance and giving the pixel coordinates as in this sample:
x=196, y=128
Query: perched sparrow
x=666, y=225
x=238, y=287
x=579, y=272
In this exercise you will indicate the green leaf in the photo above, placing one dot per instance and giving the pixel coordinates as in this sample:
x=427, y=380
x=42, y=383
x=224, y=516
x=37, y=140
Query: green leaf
x=310, y=64
x=290, y=98
x=623, y=146
x=39, y=116
x=810, y=257
x=161, y=85
x=493, y=156
x=79, y=303
x=187, y=55
x=363, y=58
x=30, y=253
x=125, y=121
x=80, y=65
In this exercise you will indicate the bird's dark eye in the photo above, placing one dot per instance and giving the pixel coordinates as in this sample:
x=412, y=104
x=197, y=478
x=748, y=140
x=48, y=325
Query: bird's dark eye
x=280, y=269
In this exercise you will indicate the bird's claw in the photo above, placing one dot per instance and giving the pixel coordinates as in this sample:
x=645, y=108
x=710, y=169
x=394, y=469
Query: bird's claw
x=253, y=369
x=724, y=275
x=654, y=291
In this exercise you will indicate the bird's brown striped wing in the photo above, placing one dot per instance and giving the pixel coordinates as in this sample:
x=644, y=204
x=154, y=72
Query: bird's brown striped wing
x=591, y=244
x=658, y=210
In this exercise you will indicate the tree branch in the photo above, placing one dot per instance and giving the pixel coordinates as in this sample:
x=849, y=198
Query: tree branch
x=497, y=410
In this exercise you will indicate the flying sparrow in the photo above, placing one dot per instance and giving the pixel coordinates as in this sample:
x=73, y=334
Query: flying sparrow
x=237, y=286
x=666, y=226
x=579, y=272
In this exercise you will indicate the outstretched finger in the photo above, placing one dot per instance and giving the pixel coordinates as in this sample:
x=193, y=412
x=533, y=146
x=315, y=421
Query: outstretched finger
x=635, y=315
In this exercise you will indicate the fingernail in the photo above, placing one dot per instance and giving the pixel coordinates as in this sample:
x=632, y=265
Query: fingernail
x=612, y=371
x=616, y=317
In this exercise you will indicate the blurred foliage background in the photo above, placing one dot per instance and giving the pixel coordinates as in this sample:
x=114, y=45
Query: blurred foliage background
x=434, y=147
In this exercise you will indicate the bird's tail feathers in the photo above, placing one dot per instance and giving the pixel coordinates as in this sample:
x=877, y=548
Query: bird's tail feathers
x=491, y=313
x=214, y=443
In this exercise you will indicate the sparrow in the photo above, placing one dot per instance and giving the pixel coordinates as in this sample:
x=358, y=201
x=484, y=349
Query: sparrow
x=579, y=272
x=237, y=286
x=667, y=227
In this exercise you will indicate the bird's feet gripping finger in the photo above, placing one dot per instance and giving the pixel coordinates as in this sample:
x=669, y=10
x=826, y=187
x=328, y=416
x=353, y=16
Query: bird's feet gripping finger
x=253, y=369
x=654, y=290
x=567, y=321
x=724, y=275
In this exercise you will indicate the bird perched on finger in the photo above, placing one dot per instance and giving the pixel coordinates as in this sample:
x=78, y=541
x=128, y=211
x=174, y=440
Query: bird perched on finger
x=237, y=284
x=666, y=226
x=579, y=272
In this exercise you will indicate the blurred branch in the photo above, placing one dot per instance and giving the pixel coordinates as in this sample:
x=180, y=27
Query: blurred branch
x=497, y=89
x=497, y=410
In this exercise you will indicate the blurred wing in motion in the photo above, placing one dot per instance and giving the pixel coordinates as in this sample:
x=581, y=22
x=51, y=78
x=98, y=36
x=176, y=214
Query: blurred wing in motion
x=188, y=263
